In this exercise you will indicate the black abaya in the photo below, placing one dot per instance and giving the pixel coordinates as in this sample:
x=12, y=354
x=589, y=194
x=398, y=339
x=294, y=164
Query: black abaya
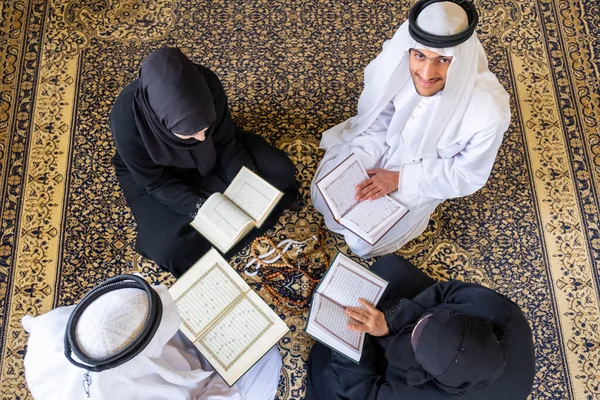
x=387, y=362
x=164, y=198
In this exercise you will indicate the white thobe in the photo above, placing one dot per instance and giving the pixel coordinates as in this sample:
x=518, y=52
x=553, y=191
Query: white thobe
x=170, y=368
x=393, y=142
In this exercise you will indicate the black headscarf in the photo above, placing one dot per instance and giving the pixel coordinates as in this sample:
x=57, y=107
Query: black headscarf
x=172, y=96
x=458, y=352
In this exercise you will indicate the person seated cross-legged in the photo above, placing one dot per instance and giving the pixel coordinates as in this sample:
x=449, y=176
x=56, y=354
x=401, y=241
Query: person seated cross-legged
x=430, y=121
x=176, y=145
x=125, y=344
x=429, y=341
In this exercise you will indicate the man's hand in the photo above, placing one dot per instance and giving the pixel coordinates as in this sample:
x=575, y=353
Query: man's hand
x=368, y=319
x=380, y=183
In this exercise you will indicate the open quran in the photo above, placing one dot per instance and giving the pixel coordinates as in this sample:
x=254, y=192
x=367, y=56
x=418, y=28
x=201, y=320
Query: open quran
x=369, y=219
x=229, y=324
x=342, y=286
x=224, y=219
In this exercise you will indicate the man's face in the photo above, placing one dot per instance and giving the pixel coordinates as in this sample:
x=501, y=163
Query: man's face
x=199, y=136
x=428, y=70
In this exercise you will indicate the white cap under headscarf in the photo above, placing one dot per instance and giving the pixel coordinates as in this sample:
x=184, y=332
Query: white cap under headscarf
x=472, y=92
x=108, y=323
x=443, y=19
x=112, y=321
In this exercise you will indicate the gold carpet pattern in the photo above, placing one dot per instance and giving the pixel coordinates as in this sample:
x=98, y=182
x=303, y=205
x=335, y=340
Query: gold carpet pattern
x=291, y=69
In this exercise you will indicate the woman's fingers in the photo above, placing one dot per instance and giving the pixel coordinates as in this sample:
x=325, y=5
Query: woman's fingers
x=357, y=326
x=357, y=314
x=367, y=304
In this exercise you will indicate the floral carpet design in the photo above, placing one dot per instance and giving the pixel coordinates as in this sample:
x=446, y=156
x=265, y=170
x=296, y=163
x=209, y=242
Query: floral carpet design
x=292, y=69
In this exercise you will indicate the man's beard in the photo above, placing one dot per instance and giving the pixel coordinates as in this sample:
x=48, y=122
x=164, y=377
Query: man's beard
x=424, y=95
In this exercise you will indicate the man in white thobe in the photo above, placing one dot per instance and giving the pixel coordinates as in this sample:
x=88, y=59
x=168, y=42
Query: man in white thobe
x=168, y=367
x=430, y=121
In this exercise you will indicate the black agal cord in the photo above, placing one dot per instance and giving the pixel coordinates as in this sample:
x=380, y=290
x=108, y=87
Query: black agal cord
x=134, y=347
x=440, y=42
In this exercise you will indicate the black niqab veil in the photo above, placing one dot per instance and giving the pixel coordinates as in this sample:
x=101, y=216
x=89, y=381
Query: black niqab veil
x=173, y=97
x=457, y=353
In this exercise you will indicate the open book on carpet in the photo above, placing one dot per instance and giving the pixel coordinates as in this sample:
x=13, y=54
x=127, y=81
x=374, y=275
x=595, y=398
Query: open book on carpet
x=225, y=319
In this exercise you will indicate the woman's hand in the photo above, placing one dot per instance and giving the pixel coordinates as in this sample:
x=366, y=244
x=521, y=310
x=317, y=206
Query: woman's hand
x=368, y=319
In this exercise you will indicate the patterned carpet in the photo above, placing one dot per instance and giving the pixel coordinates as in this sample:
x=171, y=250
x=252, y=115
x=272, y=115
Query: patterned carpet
x=292, y=69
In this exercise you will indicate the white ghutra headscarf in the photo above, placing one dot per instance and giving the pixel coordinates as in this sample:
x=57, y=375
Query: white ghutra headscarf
x=471, y=100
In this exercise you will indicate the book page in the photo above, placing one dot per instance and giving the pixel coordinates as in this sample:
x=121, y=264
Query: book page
x=370, y=214
x=229, y=324
x=346, y=287
x=346, y=282
x=253, y=195
x=219, y=217
x=244, y=334
x=338, y=187
x=341, y=191
x=331, y=317
x=209, y=284
x=213, y=292
x=233, y=335
x=325, y=336
x=371, y=219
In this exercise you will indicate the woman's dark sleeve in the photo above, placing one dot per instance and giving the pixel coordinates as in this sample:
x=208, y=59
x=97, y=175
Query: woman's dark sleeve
x=452, y=294
x=232, y=155
x=360, y=381
x=158, y=181
x=367, y=380
x=458, y=294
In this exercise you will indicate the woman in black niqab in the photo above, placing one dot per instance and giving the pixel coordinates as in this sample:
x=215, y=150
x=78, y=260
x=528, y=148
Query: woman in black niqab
x=166, y=172
x=446, y=341
x=173, y=98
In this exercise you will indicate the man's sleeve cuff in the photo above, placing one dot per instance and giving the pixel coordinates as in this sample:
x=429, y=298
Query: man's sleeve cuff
x=410, y=176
